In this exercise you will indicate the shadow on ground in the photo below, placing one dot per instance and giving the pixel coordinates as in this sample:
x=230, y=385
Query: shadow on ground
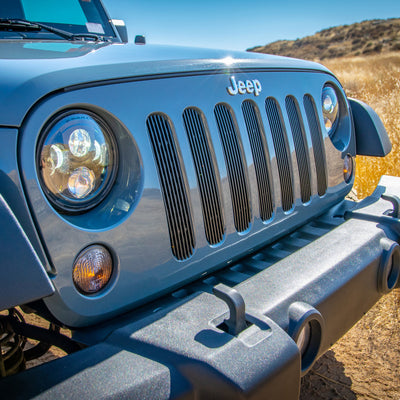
x=327, y=380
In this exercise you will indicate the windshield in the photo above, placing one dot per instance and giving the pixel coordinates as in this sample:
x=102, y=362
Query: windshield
x=73, y=16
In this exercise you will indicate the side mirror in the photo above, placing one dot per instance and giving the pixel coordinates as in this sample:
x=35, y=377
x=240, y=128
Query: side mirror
x=121, y=29
x=140, y=39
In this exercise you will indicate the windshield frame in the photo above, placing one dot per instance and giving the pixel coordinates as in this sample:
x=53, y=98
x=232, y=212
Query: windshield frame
x=98, y=23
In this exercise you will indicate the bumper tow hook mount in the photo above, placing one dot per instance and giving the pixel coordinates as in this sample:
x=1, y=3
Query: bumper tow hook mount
x=236, y=322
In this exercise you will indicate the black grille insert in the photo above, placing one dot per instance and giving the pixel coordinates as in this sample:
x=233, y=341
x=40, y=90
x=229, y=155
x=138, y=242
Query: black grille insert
x=300, y=144
x=261, y=165
x=205, y=167
x=316, y=137
x=235, y=167
x=282, y=153
x=172, y=186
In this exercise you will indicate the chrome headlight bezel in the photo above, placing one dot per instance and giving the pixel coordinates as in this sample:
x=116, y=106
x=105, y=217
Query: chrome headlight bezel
x=62, y=126
x=330, y=108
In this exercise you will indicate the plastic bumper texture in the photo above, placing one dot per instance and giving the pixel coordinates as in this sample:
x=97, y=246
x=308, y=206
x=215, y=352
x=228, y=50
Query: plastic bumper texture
x=186, y=351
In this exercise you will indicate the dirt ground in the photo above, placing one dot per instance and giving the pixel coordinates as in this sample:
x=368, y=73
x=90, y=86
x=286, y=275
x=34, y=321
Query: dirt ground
x=365, y=363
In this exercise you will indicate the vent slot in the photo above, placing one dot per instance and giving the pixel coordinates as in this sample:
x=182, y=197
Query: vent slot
x=172, y=186
x=235, y=167
x=262, y=170
x=316, y=137
x=300, y=144
x=206, y=177
x=281, y=150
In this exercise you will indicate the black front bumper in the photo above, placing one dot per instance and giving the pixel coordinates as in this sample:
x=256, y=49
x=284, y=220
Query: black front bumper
x=326, y=274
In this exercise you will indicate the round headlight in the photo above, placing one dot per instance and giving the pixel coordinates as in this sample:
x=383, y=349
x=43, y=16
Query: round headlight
x=77, y=161
x=330, y=108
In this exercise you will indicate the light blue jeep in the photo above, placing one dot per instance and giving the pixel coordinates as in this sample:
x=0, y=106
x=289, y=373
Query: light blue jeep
x=182, y=211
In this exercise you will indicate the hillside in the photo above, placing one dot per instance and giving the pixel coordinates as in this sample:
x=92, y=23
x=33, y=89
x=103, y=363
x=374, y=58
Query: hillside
x=367, y=37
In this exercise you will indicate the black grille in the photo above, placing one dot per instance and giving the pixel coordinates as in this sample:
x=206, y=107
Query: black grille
x=172, y=185
x=235, y=167
x=171, y=166
x=281, y=149
x=316, y=137
x=254, y=130
x=206, y=177
x=299, y=139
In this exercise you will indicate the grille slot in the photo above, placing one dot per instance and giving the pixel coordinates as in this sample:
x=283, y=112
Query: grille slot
x=206, y=177
x=316, y=137
x=174, y=193
x=254, y=130
x=296, y=124
x=235, y=167
x=281, y=150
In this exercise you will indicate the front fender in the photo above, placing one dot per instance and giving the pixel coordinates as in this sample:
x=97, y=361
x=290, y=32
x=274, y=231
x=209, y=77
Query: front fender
x=371, y=136
x=22, y=275
x=23, y=269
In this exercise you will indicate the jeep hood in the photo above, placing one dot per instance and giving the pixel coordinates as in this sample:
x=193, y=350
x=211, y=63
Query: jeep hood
x=32, y=70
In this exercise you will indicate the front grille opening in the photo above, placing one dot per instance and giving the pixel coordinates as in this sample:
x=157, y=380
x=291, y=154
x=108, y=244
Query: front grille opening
x=173, y=187
x=205, y=167
x=300, y=144
x=316, y=137
x=260, y=152
x=235, y=167
x=282, y=153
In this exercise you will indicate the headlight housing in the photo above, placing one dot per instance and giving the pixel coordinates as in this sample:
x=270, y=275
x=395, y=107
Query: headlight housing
x=330, y=108
x=77, y=161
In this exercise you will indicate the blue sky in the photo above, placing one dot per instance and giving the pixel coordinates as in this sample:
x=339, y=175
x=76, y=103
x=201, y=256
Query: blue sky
x=238, y=25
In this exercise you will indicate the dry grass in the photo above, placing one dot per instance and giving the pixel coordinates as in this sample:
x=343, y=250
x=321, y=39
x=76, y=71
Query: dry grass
x=376, y=81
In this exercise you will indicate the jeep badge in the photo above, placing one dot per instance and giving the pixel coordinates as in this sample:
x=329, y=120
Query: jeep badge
x=242, y=87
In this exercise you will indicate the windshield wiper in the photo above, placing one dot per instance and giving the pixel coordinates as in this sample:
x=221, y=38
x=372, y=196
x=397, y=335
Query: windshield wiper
x=16, y=24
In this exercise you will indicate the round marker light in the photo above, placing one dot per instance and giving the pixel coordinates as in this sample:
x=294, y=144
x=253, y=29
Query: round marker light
x=303, y=340
x=330, y=108
x=92, y=269
x=348, y=168
x=77, y=161
x=305, y=328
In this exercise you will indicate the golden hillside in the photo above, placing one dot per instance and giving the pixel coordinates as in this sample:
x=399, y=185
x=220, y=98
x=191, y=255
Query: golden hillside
x=364, y=38
x=374, y=79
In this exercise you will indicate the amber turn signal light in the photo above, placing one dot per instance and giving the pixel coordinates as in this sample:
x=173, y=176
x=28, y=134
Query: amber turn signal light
x=348, y=168
x=92, y=269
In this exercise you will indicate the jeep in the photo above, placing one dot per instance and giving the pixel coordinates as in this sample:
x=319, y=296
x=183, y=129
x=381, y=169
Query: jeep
x=183, y=213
